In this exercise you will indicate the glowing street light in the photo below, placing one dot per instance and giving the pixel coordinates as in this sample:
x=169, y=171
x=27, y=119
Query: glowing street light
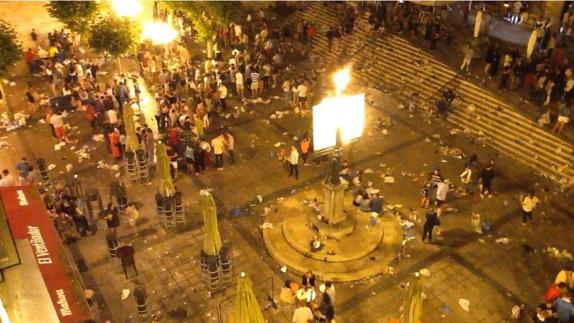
x=127, y=8
x=159, y=33
x=344, y=113
x=337, y=120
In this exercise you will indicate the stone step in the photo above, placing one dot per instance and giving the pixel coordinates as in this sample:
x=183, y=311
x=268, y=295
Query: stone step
x=509, y=136
x=285, y=255
x=439, y=68
x=526, y=128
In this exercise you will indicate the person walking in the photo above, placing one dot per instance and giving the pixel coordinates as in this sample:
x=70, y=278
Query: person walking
x=230, y=146
x=239, y=85
x=468, y=55
x=57, y=122
x=325, y=311
x=486, y=178
x=222, y=96
x=24, y=168
x=563, y=117
x=293, y=163
x=255, y=79
x=431, y=221
x=441, y=192
x=114, y=137
x=305, y=145
x=528, y=203
x=198, y=160
x=111, y=214
x=133, y=214
x=302, y=92
x=218, y=145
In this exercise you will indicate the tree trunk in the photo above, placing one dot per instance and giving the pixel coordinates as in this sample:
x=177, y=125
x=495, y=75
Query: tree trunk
x=119, y=65
x=4, y=100
x=209, y=50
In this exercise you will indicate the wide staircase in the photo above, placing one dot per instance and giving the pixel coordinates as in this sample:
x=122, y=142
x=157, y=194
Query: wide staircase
x=395, y=63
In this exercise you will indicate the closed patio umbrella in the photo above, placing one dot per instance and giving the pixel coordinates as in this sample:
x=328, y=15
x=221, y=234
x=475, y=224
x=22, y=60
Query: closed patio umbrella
x=413, y=302
x=247, y=309
x=166, y=188
x=212, y=239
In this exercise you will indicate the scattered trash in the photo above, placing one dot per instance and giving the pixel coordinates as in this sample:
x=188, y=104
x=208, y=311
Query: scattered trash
x=445, y=309
x=69, y=167
x=555, y=252
x=125, y=294
x=503, y=240
x=389, y=179
x=425, y=272
x=98, y=138
x=284, y=269
x=267, y=225
x=51, y=166
x=464, y=304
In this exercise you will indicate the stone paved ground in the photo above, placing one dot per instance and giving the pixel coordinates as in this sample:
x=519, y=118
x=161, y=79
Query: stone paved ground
x=463, y=264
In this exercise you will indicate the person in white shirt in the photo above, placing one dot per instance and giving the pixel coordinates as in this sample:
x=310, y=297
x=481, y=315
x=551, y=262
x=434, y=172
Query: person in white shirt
x=293, y=162
x=529, y=202
x=218, y=144
x=7, y=179
x=222, y=95
x=57, y=122
x=302, y=314
x=239, y=83
x=112, y=117
x=302, y=92
x=441, y=192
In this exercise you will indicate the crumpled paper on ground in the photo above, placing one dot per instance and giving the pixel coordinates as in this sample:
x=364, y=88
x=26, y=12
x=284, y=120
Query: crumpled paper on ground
x=464, y=304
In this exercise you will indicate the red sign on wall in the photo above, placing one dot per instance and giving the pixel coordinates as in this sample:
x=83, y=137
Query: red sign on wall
x=30, y=221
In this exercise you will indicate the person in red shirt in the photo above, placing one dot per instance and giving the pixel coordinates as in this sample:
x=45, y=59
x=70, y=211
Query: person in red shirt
x=173, y=137
x=29, y=57
x=115, y=143
x=311, y=32
x=91, y=115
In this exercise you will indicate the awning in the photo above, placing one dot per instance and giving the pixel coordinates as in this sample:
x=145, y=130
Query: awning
x=32, y=228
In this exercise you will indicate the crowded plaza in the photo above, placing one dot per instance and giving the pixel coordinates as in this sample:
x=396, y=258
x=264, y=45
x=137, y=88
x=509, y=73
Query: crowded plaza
x=286, y=161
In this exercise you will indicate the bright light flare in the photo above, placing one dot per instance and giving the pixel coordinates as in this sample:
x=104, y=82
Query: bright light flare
x=3, y=314
x=159, y=32
x=342, y=78
x=342, y=112
x=127, y=8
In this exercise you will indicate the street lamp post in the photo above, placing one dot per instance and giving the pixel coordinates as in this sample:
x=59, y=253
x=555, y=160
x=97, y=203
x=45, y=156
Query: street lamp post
x=337, y=120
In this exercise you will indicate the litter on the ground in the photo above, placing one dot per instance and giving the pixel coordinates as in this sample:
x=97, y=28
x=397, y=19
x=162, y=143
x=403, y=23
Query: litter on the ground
x=464, y=304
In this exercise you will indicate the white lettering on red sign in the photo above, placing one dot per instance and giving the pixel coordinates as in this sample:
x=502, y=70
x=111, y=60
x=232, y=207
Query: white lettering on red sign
x=63, y=302
x=40, y=249
x=22, y=200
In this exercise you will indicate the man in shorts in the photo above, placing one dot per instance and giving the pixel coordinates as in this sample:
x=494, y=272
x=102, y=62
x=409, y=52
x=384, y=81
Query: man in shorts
x=255, y=79
x=302, y=92
x=24, y=168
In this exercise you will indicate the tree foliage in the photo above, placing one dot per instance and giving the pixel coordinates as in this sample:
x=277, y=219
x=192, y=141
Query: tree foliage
x=10, y=48
x=207, y=16
x=113, y=35
x=74, y=14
